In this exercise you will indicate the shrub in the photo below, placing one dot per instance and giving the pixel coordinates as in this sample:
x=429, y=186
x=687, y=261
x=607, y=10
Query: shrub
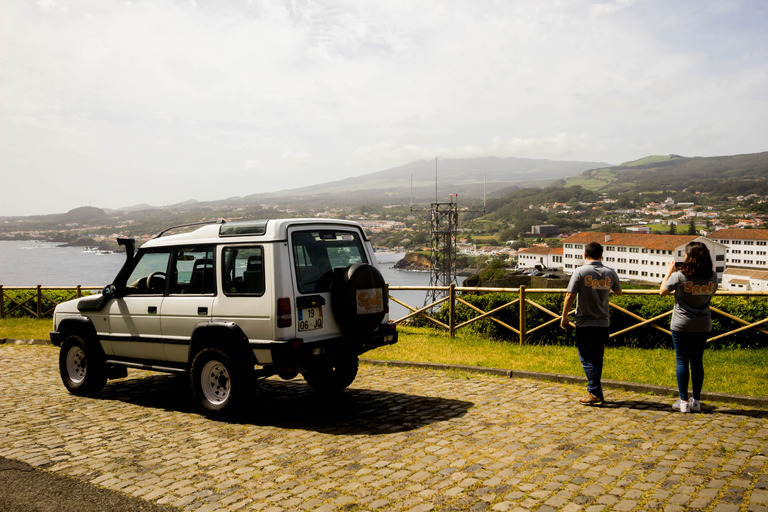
x=49, y=301
x=646, y=306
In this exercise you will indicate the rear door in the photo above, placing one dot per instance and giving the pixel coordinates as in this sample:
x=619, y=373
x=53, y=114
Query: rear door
x=247, y=296
x=316, y=252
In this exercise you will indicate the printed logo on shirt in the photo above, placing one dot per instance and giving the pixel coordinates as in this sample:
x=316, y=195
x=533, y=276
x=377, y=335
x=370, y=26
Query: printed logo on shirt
x=598, y=284
x=696, y=289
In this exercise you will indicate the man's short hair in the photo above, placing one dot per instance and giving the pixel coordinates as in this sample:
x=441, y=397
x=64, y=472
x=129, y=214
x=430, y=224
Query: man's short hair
x=593, y=251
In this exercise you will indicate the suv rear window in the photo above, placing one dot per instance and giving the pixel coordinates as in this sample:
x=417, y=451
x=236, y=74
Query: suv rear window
x=317, y=253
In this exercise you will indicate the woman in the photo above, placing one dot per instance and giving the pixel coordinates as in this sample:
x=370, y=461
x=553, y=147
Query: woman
x=693, y=284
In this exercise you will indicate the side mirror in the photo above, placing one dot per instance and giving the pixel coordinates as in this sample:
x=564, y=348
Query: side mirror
x=110, y=291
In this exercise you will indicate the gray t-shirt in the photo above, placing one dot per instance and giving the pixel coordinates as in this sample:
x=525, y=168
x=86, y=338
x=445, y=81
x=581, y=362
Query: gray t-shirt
x=692, y=296
x=593, y=283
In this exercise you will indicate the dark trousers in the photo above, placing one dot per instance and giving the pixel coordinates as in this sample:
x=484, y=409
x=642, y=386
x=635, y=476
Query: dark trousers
x=591, y=344
x=689, y=349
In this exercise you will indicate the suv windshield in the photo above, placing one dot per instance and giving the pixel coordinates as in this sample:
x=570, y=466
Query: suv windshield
x=317, y=253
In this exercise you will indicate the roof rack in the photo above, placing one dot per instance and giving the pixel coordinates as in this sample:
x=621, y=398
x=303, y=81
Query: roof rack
x=219, y=221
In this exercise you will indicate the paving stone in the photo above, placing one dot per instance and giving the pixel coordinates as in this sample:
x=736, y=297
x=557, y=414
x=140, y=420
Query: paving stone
x=398, y=439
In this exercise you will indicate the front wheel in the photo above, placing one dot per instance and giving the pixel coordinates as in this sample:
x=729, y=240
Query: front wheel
x=334, y=376
x=217, y=382
x=82, y=368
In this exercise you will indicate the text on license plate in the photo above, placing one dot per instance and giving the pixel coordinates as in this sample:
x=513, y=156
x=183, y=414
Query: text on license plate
x=310, y=318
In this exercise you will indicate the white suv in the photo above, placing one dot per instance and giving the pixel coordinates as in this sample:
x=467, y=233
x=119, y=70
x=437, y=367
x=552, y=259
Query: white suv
x=288, y=296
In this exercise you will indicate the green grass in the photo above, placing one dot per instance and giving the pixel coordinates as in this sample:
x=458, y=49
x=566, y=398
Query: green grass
x=741, y=372
x=25, y=328
x=649, y=160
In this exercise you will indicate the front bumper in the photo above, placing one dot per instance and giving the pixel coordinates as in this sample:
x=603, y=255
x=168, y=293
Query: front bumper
x=55, y=338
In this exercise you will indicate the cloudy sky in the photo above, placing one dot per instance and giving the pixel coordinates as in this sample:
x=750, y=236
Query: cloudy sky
x=114, y=103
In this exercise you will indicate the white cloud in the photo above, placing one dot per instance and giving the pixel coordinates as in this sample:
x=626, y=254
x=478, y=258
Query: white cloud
x=606, y=8
x=317, y=91
x=295, y=157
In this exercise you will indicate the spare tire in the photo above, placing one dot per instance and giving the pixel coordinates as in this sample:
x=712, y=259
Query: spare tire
x=358, y=298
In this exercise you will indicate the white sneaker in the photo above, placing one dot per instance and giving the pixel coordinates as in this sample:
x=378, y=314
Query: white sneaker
x=682, y=405
x=695, y=405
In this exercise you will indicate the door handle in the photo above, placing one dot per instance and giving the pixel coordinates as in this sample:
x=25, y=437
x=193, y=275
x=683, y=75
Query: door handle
x=202, y=311
x=152, y=310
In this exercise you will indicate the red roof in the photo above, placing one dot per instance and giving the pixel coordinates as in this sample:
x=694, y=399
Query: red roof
x=534, y=250
x=661, y=242
x=740, y=234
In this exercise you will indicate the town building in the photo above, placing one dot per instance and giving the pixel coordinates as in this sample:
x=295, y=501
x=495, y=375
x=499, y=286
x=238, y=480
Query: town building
x=744, y=280
x=545, y=229
x=636, y=256
x=546, y=257
x=745, y=248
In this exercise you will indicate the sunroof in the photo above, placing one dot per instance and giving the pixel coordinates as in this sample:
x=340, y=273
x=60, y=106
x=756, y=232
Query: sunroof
x=251, y=227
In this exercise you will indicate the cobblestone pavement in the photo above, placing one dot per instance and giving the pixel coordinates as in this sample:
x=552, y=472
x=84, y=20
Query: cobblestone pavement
x=398, y=439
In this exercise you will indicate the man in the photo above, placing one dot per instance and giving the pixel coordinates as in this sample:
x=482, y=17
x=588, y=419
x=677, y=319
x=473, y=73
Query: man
x=590, y=286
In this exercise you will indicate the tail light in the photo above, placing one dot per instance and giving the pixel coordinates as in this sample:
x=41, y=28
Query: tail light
x=284, y=312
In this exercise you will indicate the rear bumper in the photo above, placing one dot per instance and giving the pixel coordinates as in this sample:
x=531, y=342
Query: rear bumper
x=297, y=353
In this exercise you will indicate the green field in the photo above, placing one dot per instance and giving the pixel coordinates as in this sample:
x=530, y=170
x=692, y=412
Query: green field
x=741, y=372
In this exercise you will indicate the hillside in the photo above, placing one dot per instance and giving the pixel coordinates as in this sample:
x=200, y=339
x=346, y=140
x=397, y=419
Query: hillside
x=463, y=176
x=721, y=175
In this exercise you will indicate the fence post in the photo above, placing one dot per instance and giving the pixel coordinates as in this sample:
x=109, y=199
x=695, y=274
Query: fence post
x=2, y=302
x=79, y=291
x=39, y=302
x=523, y=309
x=452, y=311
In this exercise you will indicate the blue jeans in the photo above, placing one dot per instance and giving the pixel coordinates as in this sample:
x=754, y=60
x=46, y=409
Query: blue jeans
x=689, y=350
x=591, y=344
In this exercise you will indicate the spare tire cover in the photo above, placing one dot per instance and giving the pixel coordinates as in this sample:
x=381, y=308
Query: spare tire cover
x=358, y=298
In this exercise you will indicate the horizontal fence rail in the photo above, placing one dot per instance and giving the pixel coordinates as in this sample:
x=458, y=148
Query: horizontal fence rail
x=40, y=303
x=33, y=305
x=521, y=330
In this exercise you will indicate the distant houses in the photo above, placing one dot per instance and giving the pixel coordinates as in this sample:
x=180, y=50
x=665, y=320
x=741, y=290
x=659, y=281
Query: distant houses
x=546, y=257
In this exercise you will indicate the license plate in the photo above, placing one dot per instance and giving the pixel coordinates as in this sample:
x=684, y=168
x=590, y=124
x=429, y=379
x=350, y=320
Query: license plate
x=310, y=319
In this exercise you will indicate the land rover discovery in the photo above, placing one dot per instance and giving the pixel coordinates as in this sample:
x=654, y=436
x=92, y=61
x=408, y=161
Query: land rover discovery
x=228, y=302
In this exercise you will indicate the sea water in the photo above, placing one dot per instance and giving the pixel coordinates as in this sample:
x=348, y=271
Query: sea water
x=29, y=263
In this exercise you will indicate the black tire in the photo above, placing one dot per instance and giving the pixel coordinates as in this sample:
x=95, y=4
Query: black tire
x=82, y=367
x=217, y=382
x=356, y=288
x=334, y=376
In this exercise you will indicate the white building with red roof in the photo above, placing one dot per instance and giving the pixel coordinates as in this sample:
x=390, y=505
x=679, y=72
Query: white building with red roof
x=637, y=256
x=745, y=248
x=546, y=257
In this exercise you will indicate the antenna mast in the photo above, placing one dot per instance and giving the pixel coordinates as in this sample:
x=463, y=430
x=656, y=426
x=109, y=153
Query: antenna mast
x=444, y=224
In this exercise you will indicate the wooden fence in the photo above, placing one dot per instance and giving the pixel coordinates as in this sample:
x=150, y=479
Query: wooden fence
x=522, y=331
x=451, y=296
x=37, y=298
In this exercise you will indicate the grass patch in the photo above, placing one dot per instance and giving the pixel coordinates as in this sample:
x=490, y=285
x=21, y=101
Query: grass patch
x=25, y=328
x=738, y=371
x=741, y=372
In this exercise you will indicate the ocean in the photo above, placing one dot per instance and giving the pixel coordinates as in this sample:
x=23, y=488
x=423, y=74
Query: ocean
x=29, y=263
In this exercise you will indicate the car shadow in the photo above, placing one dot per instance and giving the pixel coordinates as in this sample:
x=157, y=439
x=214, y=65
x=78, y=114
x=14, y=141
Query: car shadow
x=294, y=405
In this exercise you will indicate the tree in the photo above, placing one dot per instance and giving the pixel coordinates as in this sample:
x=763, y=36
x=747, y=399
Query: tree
x=673, y=229
x=692, y=227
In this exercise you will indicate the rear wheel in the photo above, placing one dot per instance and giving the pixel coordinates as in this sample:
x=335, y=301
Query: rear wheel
x=217, y=382
x=334, y=376
x=82, y=367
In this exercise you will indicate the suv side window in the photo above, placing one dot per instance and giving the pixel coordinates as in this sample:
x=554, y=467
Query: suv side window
x=194, y=271
x=149, y=274
x=243, y=270
x=317, y=253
